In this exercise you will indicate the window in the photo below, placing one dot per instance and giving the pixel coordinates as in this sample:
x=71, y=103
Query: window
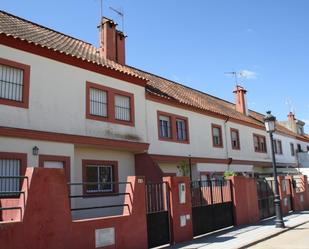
x=98, y=102
x=217, y=135
x=278, y=147
x=109, y=105
x=11, y=164
x=235, y=139
x=292, y=149
x=299, y=149
x=122, y=108
x=14, y=83
x=165, y=126
x=259, y=143
x=101, y=176
x=172, y=127
x=181, y=129
x=300, y=130
x=307, y=147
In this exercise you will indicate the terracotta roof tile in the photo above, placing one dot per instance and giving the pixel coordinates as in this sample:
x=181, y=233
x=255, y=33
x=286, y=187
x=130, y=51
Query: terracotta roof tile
x=19, y=28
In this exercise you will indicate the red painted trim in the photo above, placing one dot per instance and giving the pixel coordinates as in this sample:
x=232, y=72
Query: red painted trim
x=111, y=92
x=221, y=137
x=238, y=140
x=26, y=83
x=173, y=118
x=55, y=158
x=278, y=141
x=175, y=103
x=75, y=139
x=258, y=138
x=23, y=164
x=18, y=156
x=114, y=165
x=69, y=59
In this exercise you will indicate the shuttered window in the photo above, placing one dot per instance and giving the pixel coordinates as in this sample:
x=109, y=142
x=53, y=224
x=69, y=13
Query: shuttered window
x=11, y=83
x=9, y=167
x=98, y=102
x=122, y=108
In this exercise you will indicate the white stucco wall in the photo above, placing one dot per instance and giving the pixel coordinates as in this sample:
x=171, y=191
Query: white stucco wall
x=18, y=145
x=201, y=140
x=57, y=100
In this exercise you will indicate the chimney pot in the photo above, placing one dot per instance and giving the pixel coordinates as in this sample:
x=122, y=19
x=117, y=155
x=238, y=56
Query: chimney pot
x=240, y=100
x=112, y=41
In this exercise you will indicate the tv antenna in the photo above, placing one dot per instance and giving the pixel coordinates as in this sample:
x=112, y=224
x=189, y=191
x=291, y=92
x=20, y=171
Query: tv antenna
x=121, y=14
x=235, y=75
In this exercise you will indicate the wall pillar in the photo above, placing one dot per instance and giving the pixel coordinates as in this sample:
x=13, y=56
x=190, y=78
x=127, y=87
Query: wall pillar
x=245, y=200
x=181, y=213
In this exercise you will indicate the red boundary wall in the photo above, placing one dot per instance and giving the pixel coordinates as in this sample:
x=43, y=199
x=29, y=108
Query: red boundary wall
x=47, y=221
x=180, y=233
x=245, y=200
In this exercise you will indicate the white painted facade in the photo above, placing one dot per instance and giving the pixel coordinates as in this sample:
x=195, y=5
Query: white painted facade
x=57, y=104
x=57, y=100
x=201, y=144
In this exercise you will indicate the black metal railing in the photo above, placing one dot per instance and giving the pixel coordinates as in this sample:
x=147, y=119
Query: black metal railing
x=86, y=192
x=157, y=197
x=209, y=192
x=11, y=187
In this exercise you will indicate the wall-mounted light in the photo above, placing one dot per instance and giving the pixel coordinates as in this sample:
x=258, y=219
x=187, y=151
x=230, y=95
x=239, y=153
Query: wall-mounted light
x=35, y=150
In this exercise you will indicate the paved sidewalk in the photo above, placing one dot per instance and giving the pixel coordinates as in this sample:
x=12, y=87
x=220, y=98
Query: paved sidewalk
x=242, y=237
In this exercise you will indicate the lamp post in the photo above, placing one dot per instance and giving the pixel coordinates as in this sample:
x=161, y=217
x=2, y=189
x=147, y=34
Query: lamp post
x=270, y=125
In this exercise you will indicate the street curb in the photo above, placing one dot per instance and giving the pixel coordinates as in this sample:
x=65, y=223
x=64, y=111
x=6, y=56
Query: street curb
x=271, y=236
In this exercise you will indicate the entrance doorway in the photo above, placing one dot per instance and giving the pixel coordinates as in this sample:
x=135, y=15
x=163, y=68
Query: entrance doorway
x=56, y=162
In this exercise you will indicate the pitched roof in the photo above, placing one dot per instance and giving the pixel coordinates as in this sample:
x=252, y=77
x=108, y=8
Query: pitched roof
x=25, y=30
x=30, y=32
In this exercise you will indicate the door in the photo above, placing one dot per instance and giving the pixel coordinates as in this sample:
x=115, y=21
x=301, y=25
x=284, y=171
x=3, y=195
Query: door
x=56, y=162
x=158, y=214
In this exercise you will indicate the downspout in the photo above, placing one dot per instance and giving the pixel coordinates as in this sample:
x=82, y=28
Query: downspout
x=227, y=149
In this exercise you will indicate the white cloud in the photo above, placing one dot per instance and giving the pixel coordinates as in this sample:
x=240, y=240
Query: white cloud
x=246, y=74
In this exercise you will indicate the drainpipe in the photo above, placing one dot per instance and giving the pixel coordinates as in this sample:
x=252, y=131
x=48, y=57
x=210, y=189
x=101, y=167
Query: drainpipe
x=227, y=149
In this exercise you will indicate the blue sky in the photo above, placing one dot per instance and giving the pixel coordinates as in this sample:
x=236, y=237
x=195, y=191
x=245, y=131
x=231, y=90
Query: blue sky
x=195, y=42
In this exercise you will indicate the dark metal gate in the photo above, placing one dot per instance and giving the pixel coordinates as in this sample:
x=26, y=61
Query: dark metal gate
x=288, y=189
x=158, y=213
x=265, y=191
x=212, y=205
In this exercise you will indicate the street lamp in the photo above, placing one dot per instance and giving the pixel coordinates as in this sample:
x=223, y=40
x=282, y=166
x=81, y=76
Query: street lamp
x=270, y=125
x=190, y=167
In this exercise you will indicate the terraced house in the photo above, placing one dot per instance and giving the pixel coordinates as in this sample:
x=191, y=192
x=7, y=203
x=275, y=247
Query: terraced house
x=65, y=103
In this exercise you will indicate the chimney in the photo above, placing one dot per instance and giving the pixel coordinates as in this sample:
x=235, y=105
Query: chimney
x=240, y=100
x=291, y=117
x=112, y=41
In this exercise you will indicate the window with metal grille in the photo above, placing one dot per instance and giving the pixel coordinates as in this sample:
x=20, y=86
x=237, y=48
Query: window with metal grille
x=217, y=136
x=181, y=129
x=100, y=174
x=165, y=126
x=9, y=167
x=235, y=139
x=98, y=102
x=122, y=108
x=11, y=83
